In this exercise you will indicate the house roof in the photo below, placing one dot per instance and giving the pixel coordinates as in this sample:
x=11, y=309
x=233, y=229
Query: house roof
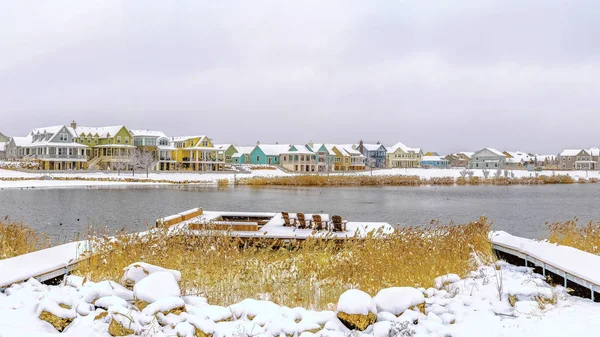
x=467, y=154
x=372, y=147
x=147, y=133
x=273, y=149
x=494, y=151
x=403, y=147
x=347, y=149
x=102, y=132
x=184, y=138
x=22, y=141
x=571, y=152
x=3, y=145
x=222, y=146
x=300, y=149
x=244, y=149
x=328, y=147
x=594, y=151
x=519, y=157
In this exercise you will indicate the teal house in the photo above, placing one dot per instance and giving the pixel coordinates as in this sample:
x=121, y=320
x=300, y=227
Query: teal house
x=241, y=155
x=267, y=154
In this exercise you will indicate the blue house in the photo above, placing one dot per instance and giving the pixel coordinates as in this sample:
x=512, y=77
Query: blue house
x=267, y=154
x=434, y=161
x=324, y=155
x=242, y=156
x=375, y=154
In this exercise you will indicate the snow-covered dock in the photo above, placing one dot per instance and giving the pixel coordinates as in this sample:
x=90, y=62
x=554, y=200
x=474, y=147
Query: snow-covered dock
x=572, y=267
x=43, y=265
x=264, y=225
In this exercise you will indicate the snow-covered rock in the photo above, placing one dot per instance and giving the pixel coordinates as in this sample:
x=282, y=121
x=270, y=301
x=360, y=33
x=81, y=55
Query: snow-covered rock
x=356, y=309
x=165, y=305
x=397, y=300
x=444, y=280
x=155, y=287
x=59, y=313
x=135, y=272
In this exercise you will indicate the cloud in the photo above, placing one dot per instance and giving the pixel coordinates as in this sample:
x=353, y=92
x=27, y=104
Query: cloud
x=445, y=76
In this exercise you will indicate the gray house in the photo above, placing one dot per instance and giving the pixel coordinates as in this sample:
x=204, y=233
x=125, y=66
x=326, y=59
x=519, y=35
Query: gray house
x=488, y=158
x=3, y=142
x=374, y=153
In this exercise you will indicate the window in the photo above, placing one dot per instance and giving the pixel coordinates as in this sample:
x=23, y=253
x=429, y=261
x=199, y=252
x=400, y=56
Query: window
x=118, y=139
x=257, y=158
x=63, y=137
x=126, y=140
x=89, y=141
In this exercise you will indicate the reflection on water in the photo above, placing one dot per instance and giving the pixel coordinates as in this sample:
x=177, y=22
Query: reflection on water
x=522, y=210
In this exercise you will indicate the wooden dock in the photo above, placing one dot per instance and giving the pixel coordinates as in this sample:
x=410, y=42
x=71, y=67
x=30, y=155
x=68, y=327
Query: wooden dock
x=562, y=265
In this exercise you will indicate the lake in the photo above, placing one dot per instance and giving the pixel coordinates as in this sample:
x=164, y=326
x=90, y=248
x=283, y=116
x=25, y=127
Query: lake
x=520, y=210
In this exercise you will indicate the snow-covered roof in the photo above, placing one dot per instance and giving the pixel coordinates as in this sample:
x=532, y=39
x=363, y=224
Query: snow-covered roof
x=433, y=158
x=494, y=151
x=147, y=133
x=300, y=149
x=467, y=154
x=519, y=157
x=2, y=146
x=403, y=147
x=347, y=149
x=372, y=147
x=571, y=152
x=594, y=151
x=222, y=146
x=273, y=149
x=102, y=132
x=184, y=138
x=317, y=146
x=244, y=149
x=22, y=141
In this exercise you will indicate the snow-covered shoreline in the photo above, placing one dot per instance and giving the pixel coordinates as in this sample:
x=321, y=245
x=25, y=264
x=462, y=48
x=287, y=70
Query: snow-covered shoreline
x=100, y=179
x=496, y=300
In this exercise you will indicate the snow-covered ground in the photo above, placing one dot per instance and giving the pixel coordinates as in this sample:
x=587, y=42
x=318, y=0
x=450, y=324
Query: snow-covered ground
x=497, y=300
x=212, y=178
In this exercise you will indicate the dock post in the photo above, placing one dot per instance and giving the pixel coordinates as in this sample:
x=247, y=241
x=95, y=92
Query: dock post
x=565, y=279
x=544, y=270
x=592, y=290
x=525, y=260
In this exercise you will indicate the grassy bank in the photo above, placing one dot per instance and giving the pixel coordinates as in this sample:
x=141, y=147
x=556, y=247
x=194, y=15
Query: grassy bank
x=397, y=180
x=17, y=239
x=585, y=237
x=310, y=274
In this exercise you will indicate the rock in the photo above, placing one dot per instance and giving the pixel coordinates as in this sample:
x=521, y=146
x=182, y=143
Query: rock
x=58, y=314
x=397, y=300
x=356, y=310
x=135, y=272
x=115, y=328
x=444, y=280
x=155, y=287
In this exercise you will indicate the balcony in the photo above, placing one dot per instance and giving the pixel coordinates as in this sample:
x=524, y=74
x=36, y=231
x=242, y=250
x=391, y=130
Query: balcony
x=59, y=156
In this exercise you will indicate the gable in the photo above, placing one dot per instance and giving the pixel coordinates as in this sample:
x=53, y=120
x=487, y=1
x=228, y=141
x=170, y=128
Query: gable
x=489, y=153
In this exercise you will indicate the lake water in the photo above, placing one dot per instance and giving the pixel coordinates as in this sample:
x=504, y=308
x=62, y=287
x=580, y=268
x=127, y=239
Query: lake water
x=521, y=210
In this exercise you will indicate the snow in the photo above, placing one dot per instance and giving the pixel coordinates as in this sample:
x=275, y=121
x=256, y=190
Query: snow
x=139, y=270
x=476, y=305
x=397, y=300
x=163, y=305
x=356, y=301
x=573, y=261
x=34, y=180
x=156, y=286
x=108, y=301
x=440, y=281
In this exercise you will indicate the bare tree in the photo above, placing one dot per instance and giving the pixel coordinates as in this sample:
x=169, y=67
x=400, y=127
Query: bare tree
x=120, y=165
x=370, y=163
x=142, y=160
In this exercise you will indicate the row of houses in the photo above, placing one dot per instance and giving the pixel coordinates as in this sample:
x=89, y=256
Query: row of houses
x=74, y=147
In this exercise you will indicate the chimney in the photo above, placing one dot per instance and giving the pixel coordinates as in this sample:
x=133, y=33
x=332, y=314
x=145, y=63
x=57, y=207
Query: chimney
x=74, y=125
x=258, y=143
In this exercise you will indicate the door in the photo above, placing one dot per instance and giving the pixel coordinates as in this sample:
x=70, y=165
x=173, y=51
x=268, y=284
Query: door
x=269, y=160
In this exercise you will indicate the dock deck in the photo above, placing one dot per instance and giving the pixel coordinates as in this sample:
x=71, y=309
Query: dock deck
x=565, y=265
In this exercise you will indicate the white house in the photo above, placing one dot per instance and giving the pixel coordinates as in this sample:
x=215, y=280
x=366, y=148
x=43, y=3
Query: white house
x=488, y=158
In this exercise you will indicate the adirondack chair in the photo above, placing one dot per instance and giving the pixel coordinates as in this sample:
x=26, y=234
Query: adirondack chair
x=318, y=223
x=302, y=221
x=339, y=225
x=286, y=220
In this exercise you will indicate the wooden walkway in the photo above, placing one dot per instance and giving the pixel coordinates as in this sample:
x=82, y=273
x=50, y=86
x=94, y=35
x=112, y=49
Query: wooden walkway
x=567, y=266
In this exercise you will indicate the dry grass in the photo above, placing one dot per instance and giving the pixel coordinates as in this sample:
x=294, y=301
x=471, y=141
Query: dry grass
x=399, y=180
x=311, y=274
x=571, y=233
x=17, y=239
x=223, y=182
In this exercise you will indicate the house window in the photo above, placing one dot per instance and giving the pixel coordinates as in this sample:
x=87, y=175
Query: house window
x=63, y=137
x=257, y=158
x=118, y=139
x=126, y=140
x=89, y=141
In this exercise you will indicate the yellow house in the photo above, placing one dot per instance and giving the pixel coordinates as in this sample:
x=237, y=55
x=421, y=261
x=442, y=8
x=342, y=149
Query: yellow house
x=348, y=158
x=197, y=153
x=402, y=156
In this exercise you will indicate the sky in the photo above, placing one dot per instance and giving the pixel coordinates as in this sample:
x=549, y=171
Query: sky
x=444, y=76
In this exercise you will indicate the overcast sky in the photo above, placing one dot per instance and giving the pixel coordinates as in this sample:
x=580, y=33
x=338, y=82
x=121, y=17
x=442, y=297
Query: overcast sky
x=440, y=75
